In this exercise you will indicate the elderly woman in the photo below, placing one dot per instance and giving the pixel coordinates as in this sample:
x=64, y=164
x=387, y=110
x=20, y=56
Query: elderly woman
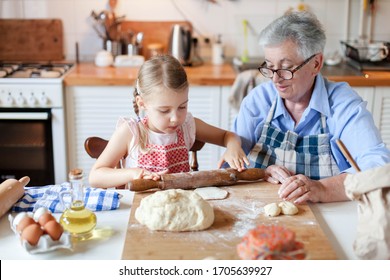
x=290, y=125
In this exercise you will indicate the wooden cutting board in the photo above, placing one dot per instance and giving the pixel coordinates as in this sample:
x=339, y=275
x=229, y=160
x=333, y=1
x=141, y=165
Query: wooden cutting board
x=241, y=211
x=31, y=40
x=154, y=31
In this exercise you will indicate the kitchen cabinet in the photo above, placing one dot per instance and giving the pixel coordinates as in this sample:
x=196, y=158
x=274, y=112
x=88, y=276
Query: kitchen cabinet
x=378, y=103
x=382, y=112
x=94, y=111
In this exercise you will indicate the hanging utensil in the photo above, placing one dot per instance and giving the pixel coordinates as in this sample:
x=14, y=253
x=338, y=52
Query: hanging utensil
x=244, y=57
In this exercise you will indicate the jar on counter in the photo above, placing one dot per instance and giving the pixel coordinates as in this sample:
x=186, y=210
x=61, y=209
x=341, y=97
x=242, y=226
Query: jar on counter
x=154, y=49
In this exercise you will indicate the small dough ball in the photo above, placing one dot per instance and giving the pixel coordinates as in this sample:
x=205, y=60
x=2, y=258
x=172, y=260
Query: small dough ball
x=272, y=209
x=288, y=208
x=175, y=210
x=209, y=193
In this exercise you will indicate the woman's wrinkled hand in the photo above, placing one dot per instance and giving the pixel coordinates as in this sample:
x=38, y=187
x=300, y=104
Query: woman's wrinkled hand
x=300, y=189
x=276, y=174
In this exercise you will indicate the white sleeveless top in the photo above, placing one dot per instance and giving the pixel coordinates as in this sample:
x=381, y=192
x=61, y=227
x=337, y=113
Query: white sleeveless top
x=188, y=128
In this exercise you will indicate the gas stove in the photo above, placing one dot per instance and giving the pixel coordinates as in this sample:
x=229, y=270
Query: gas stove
x=38, y=72
x=32, y=107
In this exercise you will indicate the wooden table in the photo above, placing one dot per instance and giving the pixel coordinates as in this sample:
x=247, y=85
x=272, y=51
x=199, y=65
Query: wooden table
x=241, y=211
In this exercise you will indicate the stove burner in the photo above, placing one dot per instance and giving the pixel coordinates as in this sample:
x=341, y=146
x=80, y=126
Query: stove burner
x=33, y=70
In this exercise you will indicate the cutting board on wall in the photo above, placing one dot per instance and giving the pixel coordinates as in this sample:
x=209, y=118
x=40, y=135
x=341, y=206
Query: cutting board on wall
x=241, y=211
x=154, y=31
x=30, y=40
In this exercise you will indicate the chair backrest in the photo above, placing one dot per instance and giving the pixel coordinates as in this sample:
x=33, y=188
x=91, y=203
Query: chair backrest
x=94, y=146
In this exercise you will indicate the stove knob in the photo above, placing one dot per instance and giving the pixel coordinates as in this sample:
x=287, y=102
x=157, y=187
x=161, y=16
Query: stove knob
x=20, y=100
x=32, y=101
x=9, y=101
x=43, y=100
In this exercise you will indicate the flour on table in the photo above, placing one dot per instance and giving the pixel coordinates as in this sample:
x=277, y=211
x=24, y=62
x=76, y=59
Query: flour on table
x=175, y=210
x=209, y=193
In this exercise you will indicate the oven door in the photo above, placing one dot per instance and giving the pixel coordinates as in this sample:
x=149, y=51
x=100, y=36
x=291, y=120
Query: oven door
x=26, y=146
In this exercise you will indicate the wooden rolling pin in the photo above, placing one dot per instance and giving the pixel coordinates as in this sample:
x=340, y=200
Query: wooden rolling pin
x=10, y=192
x=197, y=179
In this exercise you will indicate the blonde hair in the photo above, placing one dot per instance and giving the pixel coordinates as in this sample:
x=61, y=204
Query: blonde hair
x=158, y=73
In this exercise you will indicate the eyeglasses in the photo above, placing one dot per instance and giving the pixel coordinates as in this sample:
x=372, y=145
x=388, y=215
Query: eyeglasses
x=282, y=73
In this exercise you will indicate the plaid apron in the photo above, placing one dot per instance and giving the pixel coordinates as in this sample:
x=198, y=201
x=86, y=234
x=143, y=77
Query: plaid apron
x=173, y=157
x=309, y=155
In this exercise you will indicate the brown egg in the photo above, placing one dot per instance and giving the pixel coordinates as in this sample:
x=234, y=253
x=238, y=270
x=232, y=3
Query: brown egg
x=54, y=229
x=26, y=221
x=44, y=218
x=32, y=233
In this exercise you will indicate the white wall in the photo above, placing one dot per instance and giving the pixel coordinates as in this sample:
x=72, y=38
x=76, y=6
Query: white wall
x=209, y=19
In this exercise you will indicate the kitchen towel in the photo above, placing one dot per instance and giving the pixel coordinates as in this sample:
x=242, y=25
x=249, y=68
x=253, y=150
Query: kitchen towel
x=243, y=84
x=47, y=196
x=371, y=189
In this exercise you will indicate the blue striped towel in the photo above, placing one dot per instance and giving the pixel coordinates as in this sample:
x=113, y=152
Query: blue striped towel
x=47, y=196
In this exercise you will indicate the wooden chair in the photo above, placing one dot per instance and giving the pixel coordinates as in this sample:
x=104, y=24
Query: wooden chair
x=94, y=146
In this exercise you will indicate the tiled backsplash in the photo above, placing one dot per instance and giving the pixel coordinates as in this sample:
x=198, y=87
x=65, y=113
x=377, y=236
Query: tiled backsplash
x=208, y=19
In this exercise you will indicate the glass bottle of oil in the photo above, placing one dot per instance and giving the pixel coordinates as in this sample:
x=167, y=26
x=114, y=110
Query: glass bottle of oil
x=76, y=219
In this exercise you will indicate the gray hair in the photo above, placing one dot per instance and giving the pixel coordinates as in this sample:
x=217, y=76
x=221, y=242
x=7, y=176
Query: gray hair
x=302, y=28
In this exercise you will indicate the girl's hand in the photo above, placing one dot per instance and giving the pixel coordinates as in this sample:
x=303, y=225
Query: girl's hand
x=148, y=175
x=236, y=159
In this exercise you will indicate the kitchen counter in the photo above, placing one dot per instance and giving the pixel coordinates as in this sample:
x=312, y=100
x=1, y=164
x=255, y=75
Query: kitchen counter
x=87, y=74
x=338, y=221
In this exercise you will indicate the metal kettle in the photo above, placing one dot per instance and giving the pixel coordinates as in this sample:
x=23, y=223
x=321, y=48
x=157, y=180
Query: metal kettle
x=179, y=44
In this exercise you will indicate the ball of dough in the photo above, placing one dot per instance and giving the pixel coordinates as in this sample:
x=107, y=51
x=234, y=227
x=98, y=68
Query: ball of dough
x=272, y=209
x=288, y=208
x=175, y=210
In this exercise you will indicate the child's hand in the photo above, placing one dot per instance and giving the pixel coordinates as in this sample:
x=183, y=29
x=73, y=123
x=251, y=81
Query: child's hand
x=148, y=175
x=236, y=159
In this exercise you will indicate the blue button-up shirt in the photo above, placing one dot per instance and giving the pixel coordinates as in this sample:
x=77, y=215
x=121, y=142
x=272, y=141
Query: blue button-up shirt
x=346, y=114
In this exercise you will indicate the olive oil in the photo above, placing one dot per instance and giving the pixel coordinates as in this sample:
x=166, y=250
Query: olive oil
x=76, y=219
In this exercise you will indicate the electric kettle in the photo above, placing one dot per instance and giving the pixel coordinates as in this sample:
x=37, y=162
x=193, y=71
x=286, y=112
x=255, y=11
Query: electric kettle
x=179, y=44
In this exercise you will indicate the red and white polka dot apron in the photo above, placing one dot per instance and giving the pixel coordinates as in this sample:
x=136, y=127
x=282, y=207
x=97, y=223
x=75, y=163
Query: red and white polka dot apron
x=173, y=157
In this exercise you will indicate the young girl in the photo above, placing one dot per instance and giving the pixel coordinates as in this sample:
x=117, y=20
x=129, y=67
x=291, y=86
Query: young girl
x=159, y=142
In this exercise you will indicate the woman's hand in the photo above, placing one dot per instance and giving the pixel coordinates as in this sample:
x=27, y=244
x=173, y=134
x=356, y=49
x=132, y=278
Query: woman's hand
x=300, y=189
x=276, y=174
x=235, y=157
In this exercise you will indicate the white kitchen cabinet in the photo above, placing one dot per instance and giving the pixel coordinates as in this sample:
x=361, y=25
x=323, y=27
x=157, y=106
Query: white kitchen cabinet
x=378, y=103
x=205, y=104
x=367, y=93
x=382, y=112
x=94, y=111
